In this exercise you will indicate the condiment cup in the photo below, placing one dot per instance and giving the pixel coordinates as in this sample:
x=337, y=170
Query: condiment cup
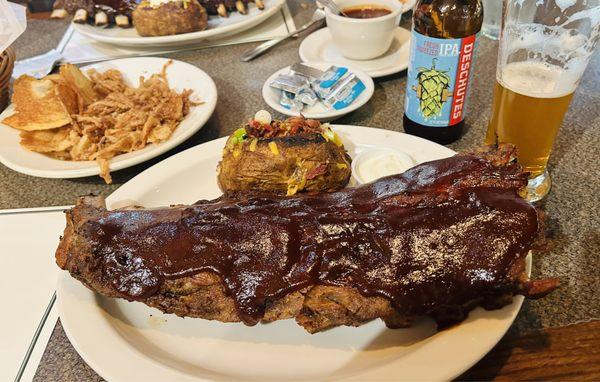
x=364, y=39
x=375, y=162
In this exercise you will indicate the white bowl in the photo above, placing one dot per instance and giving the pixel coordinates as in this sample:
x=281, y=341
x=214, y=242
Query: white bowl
x=364, y=39
x=319, y=110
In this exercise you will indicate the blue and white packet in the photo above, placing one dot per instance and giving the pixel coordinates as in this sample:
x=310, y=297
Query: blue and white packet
x=307, y=97
x=345, y=92
x=323, y=85
x=288, y=100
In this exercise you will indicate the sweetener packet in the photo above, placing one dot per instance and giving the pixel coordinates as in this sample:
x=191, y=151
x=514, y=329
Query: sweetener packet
x=307, y=71
x=288, y=100
x=307, y=97
x=325, y=84
x=290, y=83
x=344, y=92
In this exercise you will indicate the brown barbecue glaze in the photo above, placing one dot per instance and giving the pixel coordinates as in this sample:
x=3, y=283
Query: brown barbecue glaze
x=111, y=7
x=116, y=7
x=443, y=233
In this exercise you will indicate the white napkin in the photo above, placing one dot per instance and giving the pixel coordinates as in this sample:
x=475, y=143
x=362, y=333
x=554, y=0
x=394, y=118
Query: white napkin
x=28, y=240
x=12, y=23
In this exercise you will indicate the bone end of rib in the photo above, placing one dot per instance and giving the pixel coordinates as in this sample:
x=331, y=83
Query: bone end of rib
x=241, y=7
x=80, y=16
x=122, y=21
x=58, y=14
x=222, y=11
x=100, y=19
x=260, y=4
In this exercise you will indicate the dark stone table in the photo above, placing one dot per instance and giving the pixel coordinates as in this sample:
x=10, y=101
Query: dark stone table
x=572, y=207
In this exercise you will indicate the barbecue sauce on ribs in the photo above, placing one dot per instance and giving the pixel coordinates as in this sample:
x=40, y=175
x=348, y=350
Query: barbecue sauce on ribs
x=443, y=233
x=116, y=7
x=111, y=7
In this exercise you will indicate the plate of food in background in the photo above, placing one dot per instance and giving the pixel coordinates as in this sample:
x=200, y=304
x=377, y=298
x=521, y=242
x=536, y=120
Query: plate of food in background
x=104, y=117
x=164, y=22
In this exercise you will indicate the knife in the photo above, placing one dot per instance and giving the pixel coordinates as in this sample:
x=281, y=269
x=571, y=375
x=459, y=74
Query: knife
x=317, y=20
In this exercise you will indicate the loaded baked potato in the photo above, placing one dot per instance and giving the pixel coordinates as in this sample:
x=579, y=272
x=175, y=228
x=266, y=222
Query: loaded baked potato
x=169, y=17
x=283, y=157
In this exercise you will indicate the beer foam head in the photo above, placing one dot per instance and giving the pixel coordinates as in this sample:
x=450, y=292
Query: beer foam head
x=537, y=79
x=548, y=59
x=562, y=4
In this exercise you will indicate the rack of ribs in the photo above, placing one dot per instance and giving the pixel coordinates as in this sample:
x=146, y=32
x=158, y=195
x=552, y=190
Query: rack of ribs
x=97, y=12
x=223, y=7
x=118, y=12
x=438, y=240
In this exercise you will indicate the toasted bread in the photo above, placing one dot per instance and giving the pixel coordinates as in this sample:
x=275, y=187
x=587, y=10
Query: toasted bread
x=38, y=105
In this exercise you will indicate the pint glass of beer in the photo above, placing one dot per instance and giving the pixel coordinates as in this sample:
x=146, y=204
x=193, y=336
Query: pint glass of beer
x=545, y=46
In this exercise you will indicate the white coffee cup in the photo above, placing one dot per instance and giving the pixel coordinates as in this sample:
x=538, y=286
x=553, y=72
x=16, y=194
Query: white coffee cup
x=364, y=39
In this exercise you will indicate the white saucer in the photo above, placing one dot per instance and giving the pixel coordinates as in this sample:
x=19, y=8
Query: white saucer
x=319, y=110
x=319, y=46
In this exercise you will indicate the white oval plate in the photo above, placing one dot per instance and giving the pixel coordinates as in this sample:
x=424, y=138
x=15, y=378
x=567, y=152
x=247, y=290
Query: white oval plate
x=319, y=110
x=218, y=27
x=318, y=46
x=128, y=341
x=180, y=76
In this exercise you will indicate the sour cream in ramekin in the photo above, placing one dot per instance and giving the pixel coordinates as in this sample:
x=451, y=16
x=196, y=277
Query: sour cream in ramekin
x=375, y=163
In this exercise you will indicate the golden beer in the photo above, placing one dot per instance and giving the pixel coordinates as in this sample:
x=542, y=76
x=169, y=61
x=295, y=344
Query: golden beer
x=543, y=51
x=528, y=110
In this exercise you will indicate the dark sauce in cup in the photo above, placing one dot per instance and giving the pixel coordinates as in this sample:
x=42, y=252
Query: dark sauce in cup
x=366, y=11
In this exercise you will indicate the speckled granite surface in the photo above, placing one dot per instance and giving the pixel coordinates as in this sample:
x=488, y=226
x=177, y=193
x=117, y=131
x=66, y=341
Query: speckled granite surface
x=573, y=206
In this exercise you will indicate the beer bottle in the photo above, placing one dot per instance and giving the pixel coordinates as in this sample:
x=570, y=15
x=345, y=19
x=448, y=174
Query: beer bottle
x=441, y=60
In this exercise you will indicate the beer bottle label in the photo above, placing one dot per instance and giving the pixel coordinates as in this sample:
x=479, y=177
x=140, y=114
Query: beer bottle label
x=438, y=78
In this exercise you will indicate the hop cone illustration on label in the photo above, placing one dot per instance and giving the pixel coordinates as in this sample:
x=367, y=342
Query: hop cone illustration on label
x=432, y=90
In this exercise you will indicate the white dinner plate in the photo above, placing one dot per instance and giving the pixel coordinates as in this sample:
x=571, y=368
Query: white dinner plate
x=180, y=76
x=318, y=46
x=218, y=27
x=318, y=111
x=128, y=341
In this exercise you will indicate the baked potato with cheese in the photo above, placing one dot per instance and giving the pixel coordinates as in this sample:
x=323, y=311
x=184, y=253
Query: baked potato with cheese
x=169, y=17
x=283, y=158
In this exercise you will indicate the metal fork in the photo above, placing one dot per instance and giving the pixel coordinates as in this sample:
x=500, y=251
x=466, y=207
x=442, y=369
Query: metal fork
x=317, y=20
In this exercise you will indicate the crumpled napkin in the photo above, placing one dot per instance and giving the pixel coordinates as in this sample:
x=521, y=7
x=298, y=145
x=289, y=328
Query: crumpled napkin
x=12, y=23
